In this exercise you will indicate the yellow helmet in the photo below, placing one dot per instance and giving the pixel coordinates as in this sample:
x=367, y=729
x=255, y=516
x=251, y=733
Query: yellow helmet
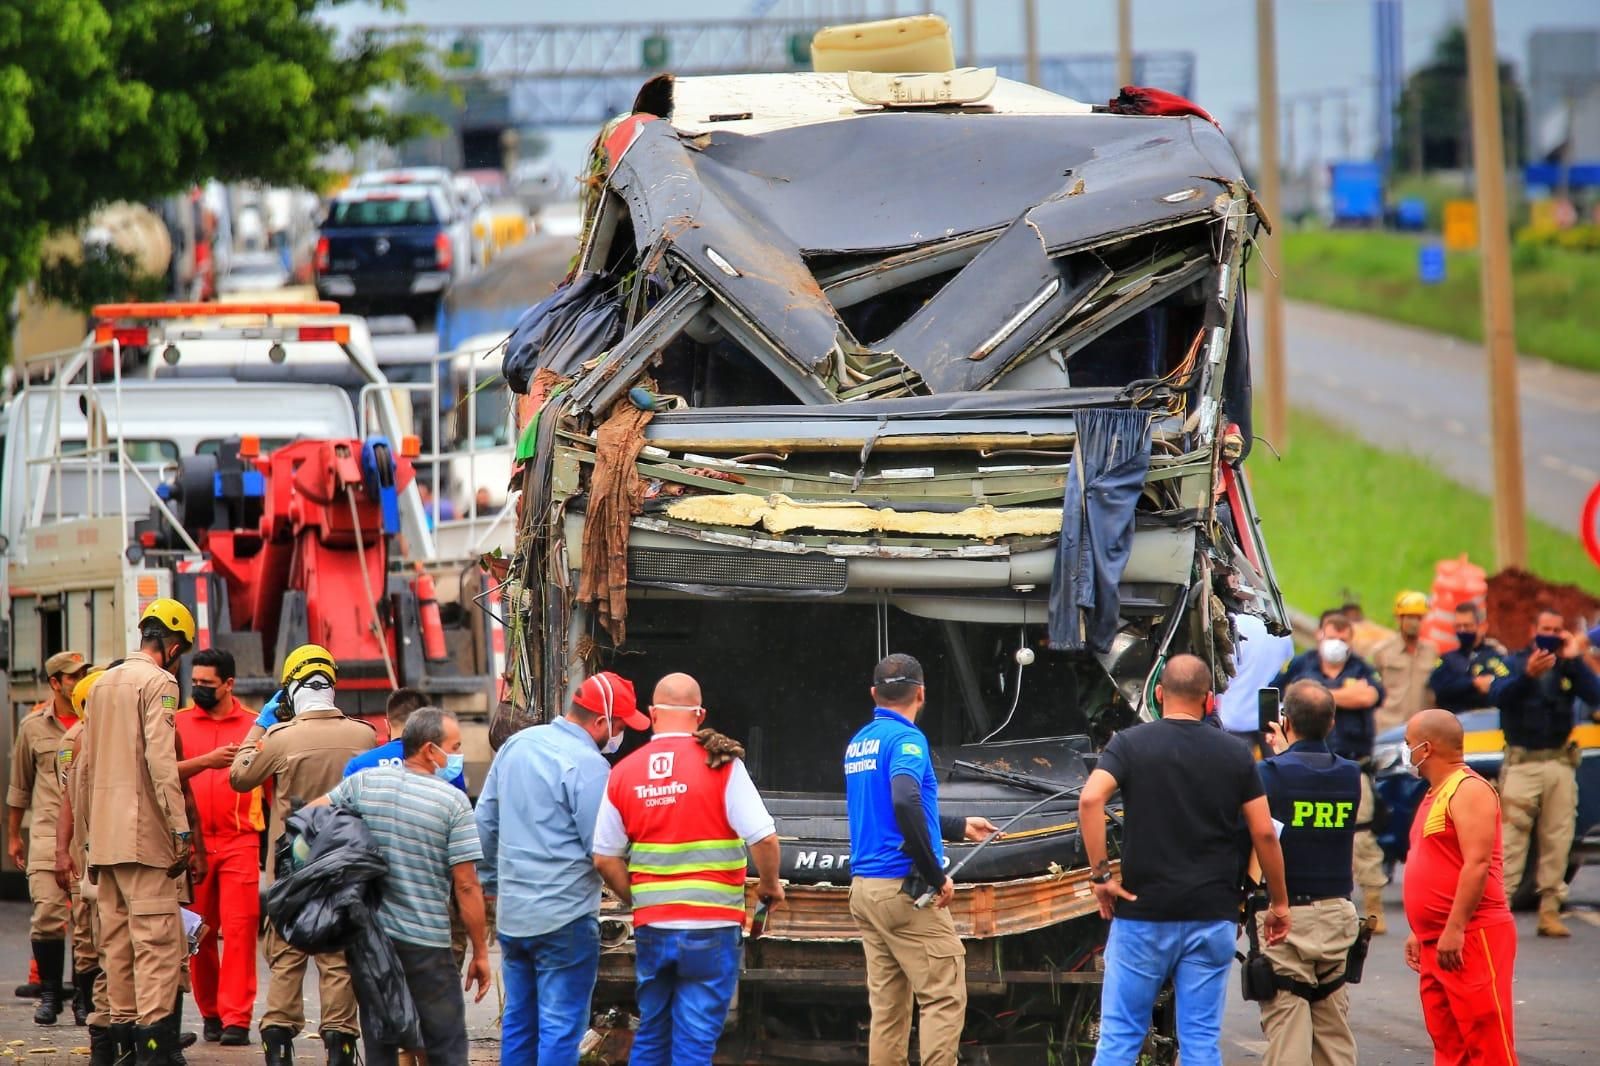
x=171, y=614
x=306, y=660
x=80, y=691
x=1410, y=602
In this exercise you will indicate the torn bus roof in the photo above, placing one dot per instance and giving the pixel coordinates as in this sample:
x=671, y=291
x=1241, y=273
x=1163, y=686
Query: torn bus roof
x=858, y=252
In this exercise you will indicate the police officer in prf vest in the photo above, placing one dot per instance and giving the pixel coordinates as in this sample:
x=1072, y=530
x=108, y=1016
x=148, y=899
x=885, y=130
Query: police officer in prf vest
x=1314, y=793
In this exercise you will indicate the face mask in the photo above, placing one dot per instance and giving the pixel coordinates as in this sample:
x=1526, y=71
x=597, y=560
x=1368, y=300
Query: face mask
x=1412, y=768
x=1550, y=642
x=1468, y=638
x=205, y=697
x=1333, y=651
x=313, y=695
x=612, y=744
x=454, y=764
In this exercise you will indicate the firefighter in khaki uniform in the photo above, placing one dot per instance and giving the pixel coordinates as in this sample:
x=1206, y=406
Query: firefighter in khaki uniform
x=305, y=758
x=71, y=831
x=1405, y=660
x=138, y=830
x=1536, y=690
x=33, y=787
x=86, y=973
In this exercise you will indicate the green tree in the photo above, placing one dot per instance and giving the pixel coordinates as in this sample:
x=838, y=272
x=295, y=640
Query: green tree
x=104, y=100
x=1433, y=118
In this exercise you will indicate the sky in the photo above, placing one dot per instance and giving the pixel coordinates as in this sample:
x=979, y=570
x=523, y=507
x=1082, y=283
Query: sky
x=1322, y=44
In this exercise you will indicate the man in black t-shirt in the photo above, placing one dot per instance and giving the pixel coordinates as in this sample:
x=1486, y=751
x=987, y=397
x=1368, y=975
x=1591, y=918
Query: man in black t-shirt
x=1184, y=787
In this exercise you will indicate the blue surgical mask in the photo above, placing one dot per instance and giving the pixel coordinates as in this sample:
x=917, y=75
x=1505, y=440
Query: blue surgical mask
x=1550, y=642
x=454, y=764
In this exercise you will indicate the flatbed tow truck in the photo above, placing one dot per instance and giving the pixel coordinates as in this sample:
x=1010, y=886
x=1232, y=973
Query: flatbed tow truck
x=280, y=512
x=855, y=362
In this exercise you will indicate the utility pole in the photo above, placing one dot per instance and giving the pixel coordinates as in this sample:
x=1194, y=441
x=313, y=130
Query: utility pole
x=1499, y=333
x=1030, y=40
x=1124, y=43
x=1269, y=194
x=969, y=34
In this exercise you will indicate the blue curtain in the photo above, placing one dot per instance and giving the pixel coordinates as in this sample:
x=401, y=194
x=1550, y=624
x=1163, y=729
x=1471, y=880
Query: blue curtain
x=1104, y=482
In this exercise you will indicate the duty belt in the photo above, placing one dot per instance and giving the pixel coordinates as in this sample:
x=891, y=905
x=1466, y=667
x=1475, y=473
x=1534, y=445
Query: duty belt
x=1306, y=901
x=1516, y=754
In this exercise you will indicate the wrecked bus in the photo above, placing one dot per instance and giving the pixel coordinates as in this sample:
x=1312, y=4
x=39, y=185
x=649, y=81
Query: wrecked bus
x=838, y=373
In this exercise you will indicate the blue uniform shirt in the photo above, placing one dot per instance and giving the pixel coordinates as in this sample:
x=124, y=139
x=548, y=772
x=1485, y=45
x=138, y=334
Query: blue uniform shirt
x=887, y=746
x=1353, y=731
x=390, y=754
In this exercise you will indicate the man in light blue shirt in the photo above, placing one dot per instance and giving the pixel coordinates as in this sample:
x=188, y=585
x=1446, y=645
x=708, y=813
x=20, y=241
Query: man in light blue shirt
x=536, y=822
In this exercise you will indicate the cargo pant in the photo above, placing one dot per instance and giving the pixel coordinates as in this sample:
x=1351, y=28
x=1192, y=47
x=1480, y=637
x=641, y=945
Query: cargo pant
x=912, y=956
x=48, y=920
x=229, y=899
x=1538, y=797
x=84, y=955
x=1300, y=1032
x=100, y=1005
x=141, y=940
x=285, y=1003
x=1366, y=854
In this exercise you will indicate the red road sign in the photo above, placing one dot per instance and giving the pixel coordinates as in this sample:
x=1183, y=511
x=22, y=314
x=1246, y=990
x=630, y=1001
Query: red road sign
x=1590, y=530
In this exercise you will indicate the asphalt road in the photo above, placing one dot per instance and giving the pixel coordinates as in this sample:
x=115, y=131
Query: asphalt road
x=65, y=1045
x=1413, y=390
x=1555, y=983
x=1554, y=992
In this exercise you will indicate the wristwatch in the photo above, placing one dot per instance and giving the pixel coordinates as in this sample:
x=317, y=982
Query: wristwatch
x=1101, y=878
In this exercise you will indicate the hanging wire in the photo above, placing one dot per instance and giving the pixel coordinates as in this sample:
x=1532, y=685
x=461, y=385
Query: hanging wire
x=1016, y=696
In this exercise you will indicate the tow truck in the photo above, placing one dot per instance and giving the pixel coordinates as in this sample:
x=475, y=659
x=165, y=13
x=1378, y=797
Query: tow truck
x=279, y=512
x=856, y=361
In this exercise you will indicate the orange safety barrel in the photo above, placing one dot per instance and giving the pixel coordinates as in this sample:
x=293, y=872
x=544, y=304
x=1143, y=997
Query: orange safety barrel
x=1455, y=581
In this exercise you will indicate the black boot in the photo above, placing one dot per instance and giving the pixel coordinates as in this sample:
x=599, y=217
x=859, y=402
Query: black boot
x=152, y=1044
x=173, y=1045
x=122, y=1044
x=277, y=1042
x=83, y=996
x=341, y=1047
x=102, y=1048
x=210, y=1029
x=180, y=1039
x=51, y=957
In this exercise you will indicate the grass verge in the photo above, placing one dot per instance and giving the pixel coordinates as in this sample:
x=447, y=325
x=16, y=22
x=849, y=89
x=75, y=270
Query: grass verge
x=1375, y=273
x=1339, y=514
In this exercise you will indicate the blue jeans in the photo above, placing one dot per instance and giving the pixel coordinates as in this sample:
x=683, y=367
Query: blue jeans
x=1141, y=957
x=686, y=983
x=549, y=981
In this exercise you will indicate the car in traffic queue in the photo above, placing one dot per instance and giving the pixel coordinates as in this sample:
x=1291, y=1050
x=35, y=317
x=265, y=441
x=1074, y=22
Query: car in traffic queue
x=447, y=185
x=1484, y=746
x=388, y=250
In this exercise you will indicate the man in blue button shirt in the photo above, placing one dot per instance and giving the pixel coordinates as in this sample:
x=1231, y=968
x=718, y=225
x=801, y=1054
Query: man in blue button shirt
x=896, y=852
x=536, y=822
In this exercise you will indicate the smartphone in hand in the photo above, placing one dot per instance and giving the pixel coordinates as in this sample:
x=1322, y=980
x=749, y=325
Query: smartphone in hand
x=1268, y=708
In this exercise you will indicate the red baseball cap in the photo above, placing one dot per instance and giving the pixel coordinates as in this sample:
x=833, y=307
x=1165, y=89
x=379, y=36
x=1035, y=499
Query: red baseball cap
x=611, y=694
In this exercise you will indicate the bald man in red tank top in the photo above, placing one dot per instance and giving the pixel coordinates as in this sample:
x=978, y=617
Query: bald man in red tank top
x=1463, y=943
